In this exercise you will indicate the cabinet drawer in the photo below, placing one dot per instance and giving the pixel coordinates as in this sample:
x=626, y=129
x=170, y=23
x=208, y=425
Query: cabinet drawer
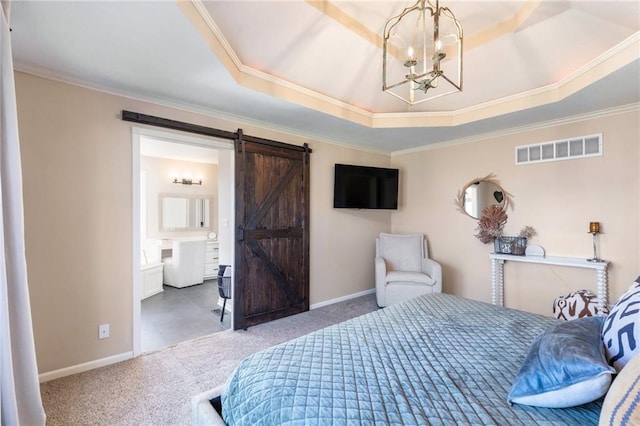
x=211, y=269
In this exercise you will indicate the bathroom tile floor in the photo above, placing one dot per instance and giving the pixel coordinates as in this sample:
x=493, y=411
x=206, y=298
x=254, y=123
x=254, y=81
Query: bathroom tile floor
x=180, y=314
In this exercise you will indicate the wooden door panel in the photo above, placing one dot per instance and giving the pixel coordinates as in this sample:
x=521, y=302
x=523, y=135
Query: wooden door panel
x=272, y=247
x=272, y=205
x=274, y=261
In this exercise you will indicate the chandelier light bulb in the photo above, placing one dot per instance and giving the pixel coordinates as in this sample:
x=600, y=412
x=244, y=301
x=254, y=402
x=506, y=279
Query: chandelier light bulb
x=410, y=52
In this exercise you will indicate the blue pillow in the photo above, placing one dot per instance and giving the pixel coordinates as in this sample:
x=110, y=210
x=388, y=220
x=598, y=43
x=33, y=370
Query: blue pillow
x=566, y=366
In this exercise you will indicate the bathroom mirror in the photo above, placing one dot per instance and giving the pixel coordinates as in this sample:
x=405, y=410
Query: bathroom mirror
x=184, y=212
x=481, y=193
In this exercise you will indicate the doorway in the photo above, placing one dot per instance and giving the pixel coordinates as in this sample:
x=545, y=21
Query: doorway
x=168, y=164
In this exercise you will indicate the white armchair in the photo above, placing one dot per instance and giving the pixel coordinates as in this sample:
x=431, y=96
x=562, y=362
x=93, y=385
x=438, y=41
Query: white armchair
x=185, y=267
x=403, y=269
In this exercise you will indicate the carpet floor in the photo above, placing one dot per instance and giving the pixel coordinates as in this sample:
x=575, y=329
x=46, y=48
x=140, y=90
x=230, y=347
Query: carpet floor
x=156, y=388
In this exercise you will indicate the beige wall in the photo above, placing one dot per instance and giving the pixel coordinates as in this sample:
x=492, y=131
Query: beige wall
x=77, y=172
x=77, y=165
x=342, y=240
x=558, y=199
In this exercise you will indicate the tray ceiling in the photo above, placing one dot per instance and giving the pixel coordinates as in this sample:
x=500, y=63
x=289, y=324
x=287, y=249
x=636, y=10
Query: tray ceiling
x=314, y=68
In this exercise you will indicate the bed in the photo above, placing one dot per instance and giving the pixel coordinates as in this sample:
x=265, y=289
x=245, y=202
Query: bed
x=437, y=359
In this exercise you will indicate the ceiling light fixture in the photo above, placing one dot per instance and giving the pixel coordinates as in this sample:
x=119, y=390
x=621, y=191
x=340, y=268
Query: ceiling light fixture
x=416, y=44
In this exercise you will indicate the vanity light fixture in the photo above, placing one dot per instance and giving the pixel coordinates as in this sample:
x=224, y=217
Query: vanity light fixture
x=186, y=181
x=415, y=45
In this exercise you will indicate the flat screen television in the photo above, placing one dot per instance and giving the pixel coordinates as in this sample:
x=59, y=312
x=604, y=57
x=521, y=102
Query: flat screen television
x=362, y=187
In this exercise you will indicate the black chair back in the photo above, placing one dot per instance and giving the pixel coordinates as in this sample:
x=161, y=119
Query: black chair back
x=224, y=283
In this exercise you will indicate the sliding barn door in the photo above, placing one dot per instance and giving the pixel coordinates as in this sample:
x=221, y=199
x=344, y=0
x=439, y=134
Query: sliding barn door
x=272, y=235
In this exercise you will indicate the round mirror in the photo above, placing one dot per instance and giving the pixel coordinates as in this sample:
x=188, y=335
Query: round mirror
x=481, y=193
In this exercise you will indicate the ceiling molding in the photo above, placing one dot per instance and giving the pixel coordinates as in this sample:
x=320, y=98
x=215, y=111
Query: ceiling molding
x=262, y=82
x=334, y=12
x=520, y=129
x=511, y=25
x=251, y=78
x=235, y=120
x=240, y=121
x=507, y=26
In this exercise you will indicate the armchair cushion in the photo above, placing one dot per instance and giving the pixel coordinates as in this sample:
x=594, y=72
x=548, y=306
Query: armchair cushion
x=416, y=277
x=402, y=252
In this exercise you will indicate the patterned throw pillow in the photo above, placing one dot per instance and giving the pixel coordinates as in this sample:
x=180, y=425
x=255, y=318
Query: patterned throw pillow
x=621, y=331
x=621, y=406
x=579, y=304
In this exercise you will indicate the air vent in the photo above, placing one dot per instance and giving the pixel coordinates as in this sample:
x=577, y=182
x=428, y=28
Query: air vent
x=567, y=149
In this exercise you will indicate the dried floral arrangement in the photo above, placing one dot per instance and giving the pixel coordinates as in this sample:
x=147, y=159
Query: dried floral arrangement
x=491, y=223
x=527, y=232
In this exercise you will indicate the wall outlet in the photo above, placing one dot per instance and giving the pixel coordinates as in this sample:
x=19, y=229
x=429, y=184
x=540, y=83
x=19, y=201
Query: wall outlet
x=103, y=331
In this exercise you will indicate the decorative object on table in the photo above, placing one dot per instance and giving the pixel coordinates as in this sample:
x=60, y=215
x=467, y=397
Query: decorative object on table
x=534, y=250
x=578, y=304
x=480, y=193
x=491, y=223
x=527, y=232
x=510, y=245
x=594, y=229
x=514, y=245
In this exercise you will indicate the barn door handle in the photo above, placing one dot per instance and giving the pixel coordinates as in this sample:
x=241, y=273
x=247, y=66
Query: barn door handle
x=240, y=234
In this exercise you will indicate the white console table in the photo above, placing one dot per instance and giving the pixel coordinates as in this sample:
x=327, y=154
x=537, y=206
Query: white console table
x=497, y=273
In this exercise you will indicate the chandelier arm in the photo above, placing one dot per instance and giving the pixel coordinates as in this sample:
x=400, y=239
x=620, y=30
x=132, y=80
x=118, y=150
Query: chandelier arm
x=400, y=83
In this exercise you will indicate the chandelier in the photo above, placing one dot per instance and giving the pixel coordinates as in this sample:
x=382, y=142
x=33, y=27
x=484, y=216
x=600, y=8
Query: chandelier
x=422, y=53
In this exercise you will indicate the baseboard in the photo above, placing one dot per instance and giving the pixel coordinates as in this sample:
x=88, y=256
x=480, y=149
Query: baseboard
x=80, y=368
x=342, y=299
x=75, y=369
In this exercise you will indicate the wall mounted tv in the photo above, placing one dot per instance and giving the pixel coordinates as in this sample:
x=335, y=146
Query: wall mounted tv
x=362, y=187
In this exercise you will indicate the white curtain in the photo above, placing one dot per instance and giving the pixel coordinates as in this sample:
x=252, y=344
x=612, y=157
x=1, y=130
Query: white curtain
x=20, y=401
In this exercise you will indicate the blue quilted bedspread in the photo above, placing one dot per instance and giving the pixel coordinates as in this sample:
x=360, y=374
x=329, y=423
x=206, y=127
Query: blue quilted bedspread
x=435, y=360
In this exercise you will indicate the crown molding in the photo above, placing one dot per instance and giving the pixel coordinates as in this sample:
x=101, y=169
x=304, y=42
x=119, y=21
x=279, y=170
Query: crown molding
x=521, y=129
x=237, y=120
x=311, y=136
x=616, y=57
